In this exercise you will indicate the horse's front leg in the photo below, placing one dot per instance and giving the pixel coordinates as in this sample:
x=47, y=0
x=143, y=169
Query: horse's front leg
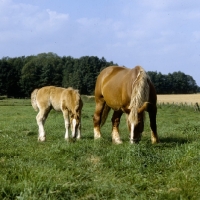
x=97, y=118
x=67, y=123
x=41, y=118
x=152, y=117
x=131, y=129
x=115, y=127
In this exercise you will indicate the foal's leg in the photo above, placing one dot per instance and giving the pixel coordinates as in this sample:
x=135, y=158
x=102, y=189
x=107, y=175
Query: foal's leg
x=78, y=135
x=74, y=128
x=97, y=118
x=152, y=116
x=41, y=118
x=115, y=127
x=67, y=123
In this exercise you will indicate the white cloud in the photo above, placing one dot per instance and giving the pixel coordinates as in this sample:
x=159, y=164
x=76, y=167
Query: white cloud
x=23, y=21
x=55, y=18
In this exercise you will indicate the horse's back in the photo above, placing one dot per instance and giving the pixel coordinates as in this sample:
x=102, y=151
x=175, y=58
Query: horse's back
x=114, y=84
x=116, y=76
x=112, y=71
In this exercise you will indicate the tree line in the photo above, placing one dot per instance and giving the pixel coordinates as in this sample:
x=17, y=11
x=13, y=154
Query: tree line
x=20, y=75
x=174, y=83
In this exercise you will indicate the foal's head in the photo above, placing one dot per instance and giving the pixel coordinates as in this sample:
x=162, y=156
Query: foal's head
x=75, y=116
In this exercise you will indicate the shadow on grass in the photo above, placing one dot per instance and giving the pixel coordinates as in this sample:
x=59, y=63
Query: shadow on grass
x=173, y=141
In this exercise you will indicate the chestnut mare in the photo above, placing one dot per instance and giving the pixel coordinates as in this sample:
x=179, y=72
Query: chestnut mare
x=66, y=100
x=127, y=91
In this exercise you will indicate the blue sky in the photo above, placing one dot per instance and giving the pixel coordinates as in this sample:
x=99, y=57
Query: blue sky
x=162, y=36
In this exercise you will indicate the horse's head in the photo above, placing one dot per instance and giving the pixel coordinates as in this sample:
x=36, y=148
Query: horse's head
x=138, y=127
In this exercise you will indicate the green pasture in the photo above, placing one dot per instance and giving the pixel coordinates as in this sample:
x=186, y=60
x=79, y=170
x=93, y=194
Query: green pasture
x=89, y=169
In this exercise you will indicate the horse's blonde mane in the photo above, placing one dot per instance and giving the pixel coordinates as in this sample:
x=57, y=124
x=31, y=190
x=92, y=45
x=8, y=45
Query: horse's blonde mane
x=140, y=94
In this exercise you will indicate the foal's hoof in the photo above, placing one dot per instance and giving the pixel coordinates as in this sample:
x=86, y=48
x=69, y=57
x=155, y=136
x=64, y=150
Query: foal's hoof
x=67, y=139
x=117, y=141
x=41, y=139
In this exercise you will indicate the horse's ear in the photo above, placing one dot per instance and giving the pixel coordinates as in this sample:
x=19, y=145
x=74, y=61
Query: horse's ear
x=145, y=107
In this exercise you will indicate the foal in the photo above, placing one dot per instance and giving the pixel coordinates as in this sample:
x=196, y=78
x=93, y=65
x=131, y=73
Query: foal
x=66, y=100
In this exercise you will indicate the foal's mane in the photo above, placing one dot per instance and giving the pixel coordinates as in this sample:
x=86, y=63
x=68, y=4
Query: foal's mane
x=140, y=94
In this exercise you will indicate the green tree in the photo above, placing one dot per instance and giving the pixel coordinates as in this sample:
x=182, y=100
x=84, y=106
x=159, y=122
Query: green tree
x=14, y=88
x=41, y=70
x=30, y=77
x=82, y=73
x=4, y=71
x=175, y=83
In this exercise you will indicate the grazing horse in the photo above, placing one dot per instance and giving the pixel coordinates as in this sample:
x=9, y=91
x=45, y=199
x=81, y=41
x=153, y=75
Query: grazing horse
x=66, y=100
x=127, y=91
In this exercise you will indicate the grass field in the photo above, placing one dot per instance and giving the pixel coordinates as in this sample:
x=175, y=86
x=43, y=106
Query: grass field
x=89, y=169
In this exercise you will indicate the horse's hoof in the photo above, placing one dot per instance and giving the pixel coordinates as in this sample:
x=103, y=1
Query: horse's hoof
x=96, y=137
x=154, y=140
x=134, y=141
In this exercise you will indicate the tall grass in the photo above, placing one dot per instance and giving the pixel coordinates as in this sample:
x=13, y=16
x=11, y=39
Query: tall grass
x=89, y=169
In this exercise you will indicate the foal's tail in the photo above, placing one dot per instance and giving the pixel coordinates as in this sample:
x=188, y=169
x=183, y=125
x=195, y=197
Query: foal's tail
x=33, y=99
x=104, y=114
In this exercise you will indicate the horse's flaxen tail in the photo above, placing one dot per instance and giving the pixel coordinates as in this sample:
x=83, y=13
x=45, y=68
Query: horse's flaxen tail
x=33, y=99
x=140, y=94
x=104, y=114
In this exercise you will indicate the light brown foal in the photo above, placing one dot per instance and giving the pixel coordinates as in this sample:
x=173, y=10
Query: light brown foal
x=66, y=100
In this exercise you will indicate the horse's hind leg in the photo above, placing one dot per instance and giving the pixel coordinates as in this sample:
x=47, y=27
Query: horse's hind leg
x=115, y=127
x=41, y=118
x=152, y=116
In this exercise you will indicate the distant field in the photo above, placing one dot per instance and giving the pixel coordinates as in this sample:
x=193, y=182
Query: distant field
x=179, y=98
x=168, y=98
